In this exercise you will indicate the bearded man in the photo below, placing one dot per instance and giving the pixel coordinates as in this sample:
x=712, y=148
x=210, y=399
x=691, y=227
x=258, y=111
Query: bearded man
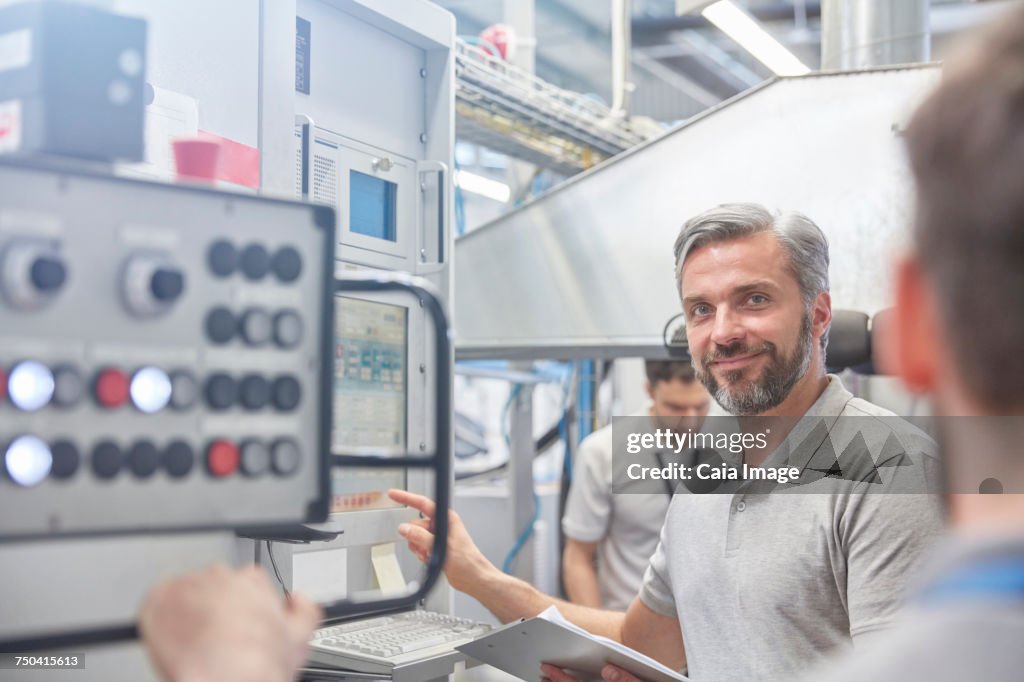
x=747, y=586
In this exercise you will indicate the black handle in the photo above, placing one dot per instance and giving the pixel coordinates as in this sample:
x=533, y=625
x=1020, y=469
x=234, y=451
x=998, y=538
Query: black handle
x=439, y=460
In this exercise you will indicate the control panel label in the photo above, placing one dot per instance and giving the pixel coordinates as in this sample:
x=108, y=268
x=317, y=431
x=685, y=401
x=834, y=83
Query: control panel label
x=10, y=126
x=15, y=49
x=302, y=53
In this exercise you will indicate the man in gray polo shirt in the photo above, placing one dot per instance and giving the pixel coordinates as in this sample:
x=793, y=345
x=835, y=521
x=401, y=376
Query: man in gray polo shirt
x=742, y=586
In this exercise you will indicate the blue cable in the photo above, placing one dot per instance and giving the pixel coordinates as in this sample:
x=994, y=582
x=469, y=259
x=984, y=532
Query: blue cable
x=506, y=565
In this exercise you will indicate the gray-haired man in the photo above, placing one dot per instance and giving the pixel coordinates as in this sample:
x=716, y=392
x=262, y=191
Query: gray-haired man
x=747, y=586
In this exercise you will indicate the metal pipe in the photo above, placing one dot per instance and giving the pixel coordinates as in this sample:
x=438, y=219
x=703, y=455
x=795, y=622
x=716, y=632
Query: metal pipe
x=622, y=47
x=858, y=34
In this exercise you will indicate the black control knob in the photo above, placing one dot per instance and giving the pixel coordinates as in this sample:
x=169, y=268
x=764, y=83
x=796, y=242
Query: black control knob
x=48, y=274
x=32, y=273
x=179, y=458
x=167, y=284
x=287, y=392
x=221, y=325
x=221, y=391
x=151, y=284
x=143, y=459
x=66, y=459
x=107, y=459
x=255, y=262
x=254, y=392
x=222, y=258
x=287, y=264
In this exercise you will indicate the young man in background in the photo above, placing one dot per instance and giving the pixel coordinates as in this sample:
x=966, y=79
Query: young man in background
x=621, y=531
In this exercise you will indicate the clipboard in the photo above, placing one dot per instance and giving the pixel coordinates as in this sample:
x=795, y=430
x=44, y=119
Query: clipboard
x=520, y=648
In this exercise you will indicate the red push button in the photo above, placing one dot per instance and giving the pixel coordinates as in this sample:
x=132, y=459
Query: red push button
x=222, y=458
x=112, y=388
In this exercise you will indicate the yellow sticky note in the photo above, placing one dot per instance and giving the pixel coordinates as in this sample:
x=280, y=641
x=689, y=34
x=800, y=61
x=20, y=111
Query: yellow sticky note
x=386, y=568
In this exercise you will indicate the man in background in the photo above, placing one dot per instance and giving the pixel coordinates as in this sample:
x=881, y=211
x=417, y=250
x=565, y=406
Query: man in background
x=621, y=531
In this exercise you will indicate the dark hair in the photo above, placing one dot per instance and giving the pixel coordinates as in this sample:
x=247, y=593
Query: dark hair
x=966, y=146
x=667, y=370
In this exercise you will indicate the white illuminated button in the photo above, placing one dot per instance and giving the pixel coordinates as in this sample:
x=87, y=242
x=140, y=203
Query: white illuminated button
x=28, y=461
x=150, y=389
x=30, y=385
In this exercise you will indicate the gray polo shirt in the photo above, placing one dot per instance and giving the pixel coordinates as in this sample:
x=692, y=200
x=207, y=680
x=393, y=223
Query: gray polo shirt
x=765, y=586
x=963, y=635
x=626, y=527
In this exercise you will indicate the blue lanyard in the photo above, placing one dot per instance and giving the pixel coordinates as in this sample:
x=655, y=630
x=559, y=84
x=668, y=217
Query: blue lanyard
x=999, y=578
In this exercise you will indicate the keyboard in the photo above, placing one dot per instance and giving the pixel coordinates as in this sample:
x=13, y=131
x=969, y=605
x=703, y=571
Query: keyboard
x=383, y=643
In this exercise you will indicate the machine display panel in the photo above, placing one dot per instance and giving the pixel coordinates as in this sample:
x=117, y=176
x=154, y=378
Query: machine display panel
x=370, y=398
x=372, y=206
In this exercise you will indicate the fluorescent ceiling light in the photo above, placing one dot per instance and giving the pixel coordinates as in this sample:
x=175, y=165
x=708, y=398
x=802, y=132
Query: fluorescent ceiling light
x=746, y=31
x=485, y=187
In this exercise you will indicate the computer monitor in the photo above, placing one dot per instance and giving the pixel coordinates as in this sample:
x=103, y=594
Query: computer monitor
x=370, y=399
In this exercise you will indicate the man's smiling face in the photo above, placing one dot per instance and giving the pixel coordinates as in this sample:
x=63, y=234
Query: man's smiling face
x=747, y=325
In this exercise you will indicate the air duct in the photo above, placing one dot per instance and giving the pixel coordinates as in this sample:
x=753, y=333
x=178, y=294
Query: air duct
x=859, y=34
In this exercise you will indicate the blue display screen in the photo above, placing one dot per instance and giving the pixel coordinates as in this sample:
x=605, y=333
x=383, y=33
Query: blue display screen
x=372, y=206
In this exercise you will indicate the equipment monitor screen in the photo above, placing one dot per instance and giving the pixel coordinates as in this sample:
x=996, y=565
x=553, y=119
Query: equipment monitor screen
x=370, y=398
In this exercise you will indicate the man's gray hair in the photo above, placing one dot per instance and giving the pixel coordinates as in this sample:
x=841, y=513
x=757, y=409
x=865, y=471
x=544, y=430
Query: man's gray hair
x=802, y=240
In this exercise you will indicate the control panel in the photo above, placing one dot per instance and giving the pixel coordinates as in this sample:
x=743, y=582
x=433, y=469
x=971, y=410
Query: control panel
x=164, y=356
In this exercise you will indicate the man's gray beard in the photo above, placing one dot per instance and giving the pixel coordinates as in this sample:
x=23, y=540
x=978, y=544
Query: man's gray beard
x=778, y=380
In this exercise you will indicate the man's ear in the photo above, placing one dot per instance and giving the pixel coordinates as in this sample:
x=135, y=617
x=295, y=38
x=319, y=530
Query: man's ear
x=649, y=389
x=821, y=314
x=909, y=345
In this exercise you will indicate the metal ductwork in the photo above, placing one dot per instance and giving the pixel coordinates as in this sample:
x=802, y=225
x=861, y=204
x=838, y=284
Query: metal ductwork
x=587, y=269
x=860, y=34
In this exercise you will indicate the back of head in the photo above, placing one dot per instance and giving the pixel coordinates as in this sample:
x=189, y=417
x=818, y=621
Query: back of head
x=966, y=146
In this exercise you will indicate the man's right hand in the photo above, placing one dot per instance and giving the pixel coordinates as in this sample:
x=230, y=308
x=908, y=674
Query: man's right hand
x=225, y=624
x=465, y=565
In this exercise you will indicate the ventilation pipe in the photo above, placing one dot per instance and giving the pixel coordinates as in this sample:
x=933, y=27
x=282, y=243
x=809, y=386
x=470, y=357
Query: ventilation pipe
x=859, y=34
x=622, y=47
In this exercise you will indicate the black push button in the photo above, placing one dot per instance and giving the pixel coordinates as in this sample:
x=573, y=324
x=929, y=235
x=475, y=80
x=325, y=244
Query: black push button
x=257, y=327
x=286, y=393
x=221, y=391
x=221, y=325
x=287, y=264
x=255, y=457
x=167, y=284
x=222, y=258
x=178, y=459
x=284, y=456
x=254, y=392
x=107, y=459
x=143, y=459
x=287, y=329
x=48, y=274
x=65, y=459
x=255, y=262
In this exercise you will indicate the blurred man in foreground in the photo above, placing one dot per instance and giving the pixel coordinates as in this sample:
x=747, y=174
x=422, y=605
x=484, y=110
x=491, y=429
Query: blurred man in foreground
x=959, y=337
